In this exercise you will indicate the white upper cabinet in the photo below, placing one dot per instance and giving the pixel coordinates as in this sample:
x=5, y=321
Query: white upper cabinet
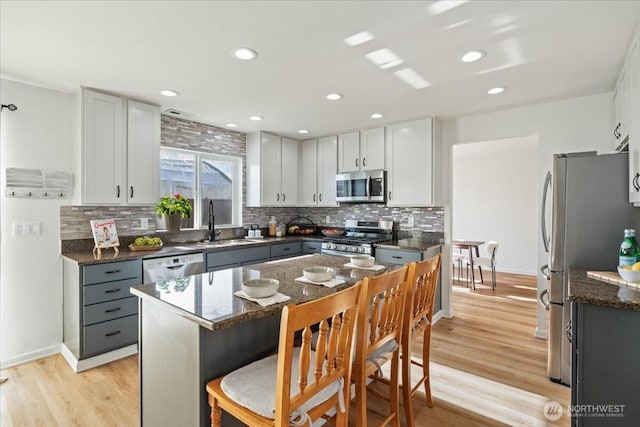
x=621, y=109
x=633, y=87
x=120, y=150
x=317, y=173
x=327, y=170
x=360, y=151
x=372, y=149
x=410, y=165
x=272, y=170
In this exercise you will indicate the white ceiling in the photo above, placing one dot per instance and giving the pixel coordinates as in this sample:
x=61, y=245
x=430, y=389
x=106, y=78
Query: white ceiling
x=539, y=50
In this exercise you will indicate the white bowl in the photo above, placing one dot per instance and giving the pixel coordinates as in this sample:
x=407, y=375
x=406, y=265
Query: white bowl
x=260, y=288
x=362, y=260
x=629, y=275
x=318, y=274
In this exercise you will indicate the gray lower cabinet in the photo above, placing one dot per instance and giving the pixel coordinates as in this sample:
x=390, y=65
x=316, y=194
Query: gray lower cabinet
x=222, y=260
x=309, y=247
x=100, y=314
x=285, y=250
x=605, y=366
x=404, y=256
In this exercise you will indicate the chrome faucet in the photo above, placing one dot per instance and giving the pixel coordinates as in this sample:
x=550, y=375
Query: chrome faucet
x=212, y=233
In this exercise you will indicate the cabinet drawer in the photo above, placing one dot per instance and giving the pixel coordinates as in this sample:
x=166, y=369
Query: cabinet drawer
x=397, y=257
x=110, y=335
x=109, y=310
x=108, y=291
x=111, y=272
x=311, y=247
x=235, y=256
x=285, y=249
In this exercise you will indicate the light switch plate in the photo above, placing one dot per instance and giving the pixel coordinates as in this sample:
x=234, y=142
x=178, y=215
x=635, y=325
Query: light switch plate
x=26, y=229
x=144, y=223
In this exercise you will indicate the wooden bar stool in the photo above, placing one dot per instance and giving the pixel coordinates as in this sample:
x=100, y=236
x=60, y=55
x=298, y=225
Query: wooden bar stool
x=297, y=385
x=422, y=280
x=379, y=333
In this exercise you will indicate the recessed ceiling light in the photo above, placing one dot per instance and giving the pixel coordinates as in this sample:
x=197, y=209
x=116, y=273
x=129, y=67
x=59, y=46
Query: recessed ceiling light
x=376, y=116
x=496, y=90
x=255, y=118
x=232, y=125
x=303, y=131
x=169, y=92
x=359, y=38
x=244, y=53
x=473, y=55
x=384, y=58
x=334, y=96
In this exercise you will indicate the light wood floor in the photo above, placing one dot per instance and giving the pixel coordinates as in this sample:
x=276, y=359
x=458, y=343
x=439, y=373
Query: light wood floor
x=486, y=367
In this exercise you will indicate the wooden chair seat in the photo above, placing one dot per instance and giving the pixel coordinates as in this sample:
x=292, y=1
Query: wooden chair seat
x=297, y=385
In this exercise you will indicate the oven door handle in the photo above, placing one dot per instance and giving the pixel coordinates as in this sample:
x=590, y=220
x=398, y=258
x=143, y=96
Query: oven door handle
x=338, y=253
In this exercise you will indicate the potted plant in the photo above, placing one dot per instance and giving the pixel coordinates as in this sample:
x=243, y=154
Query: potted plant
x=173, y=209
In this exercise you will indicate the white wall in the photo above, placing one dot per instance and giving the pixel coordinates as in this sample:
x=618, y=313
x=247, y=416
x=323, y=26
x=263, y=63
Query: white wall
x=577, y=124
x=495, y=198
x=38, y=135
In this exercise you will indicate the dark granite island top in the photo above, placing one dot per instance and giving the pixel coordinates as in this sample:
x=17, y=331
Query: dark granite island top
x=584, y=289
x=208, y=299
x=195, y=329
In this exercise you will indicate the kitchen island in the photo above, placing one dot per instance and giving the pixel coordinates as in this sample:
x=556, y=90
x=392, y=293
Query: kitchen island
x=194, y=329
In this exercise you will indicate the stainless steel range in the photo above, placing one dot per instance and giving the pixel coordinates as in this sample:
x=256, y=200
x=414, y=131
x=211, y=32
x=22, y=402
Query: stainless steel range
x=359, y=238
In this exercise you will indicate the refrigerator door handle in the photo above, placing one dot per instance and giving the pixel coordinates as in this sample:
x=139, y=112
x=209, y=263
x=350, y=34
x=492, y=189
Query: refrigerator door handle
x=543, y=220
x=541, y=298
x=543, y=269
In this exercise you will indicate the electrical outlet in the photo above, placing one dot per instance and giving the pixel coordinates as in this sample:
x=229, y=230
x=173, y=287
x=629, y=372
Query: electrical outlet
x=327, y=219
x=144, y=223
x=26, y=229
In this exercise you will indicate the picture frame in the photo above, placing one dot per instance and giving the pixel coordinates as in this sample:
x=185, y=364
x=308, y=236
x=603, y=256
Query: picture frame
x=105, y=234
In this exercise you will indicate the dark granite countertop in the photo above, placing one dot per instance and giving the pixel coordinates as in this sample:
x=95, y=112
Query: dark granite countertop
x=584, y=289
x=207, y=299
x=415, y=244
x=108, y=255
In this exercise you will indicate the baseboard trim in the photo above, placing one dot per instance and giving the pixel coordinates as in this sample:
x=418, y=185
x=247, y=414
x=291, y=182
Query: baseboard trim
x=540, y=334
x=29, y=357
x=101, y=359
x=439, y=315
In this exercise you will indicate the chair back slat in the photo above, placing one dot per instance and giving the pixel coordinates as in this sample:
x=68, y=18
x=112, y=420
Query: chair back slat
x=320, y=348
x=305, y=356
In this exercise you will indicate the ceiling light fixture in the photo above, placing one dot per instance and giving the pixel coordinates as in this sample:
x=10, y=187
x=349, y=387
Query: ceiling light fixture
x=232, y=125
x=496, y=90
x=384, y=58
x=473, y=55
x=244, y=53
x=303, y=131
x=334, y=96
x=376, y=116
x=256, y=118
x=359, y=38
x=413, y=79
x=169, y=92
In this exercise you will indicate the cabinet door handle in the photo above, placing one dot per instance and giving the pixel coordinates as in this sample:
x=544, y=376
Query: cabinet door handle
x=117, y=191
x=284, y=196
x=112, y=271
x=110, y=334
x=364, y=162
x=314, y=197
x=277, y=197
x=112, y=291
x=320, y=196
x=356, y=162
x=131, y=196
x=636, y=182
x=112, y=310
x=389, y=195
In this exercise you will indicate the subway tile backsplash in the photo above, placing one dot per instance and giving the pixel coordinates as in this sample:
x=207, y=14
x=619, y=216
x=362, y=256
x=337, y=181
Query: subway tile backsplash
x=185, y=134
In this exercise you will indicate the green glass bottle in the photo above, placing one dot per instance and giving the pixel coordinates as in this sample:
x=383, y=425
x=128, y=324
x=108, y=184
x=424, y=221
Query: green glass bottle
x=629, y=249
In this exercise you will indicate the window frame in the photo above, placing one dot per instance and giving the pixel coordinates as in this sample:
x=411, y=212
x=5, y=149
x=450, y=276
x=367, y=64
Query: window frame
x=236, y=192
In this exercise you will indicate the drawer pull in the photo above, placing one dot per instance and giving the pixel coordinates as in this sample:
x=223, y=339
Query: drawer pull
x=110, y=334
x=396, y=257
x=112, y=271
x=111, y=291
x=112, y=310
x=286, y=249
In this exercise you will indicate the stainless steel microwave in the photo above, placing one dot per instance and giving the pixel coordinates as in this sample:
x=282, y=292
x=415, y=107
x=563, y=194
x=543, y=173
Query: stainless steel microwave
x=366, y=186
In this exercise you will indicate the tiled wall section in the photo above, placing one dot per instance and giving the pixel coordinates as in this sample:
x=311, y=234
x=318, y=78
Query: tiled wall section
x=74, y=220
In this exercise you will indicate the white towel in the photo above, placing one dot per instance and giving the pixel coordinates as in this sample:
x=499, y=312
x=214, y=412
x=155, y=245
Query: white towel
x=273, y=299
x=329, y=283
x=374, y=267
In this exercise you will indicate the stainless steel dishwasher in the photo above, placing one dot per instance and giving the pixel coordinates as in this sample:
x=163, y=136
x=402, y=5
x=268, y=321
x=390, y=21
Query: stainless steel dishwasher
x=173, y=267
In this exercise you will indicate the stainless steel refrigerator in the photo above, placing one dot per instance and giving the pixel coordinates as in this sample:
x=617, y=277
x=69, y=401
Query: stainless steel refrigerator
x=590, y=210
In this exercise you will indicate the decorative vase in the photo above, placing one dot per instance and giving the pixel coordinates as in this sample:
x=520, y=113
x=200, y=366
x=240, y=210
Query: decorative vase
x=172, y=222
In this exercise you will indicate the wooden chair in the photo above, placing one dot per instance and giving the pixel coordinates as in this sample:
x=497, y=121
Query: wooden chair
x=378, y=338
x=422, y=280
x=297, y=385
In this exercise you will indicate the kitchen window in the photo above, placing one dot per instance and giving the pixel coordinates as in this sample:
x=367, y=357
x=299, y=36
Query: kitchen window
x=202, y=177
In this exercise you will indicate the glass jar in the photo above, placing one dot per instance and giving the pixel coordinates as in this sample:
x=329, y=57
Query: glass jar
x=280, y=231
x=273, y=224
